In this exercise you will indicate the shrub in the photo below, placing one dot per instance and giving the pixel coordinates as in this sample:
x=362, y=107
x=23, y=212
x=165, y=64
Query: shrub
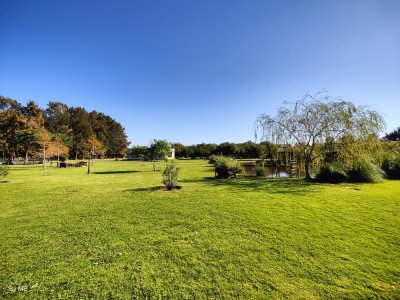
x=230, y=164
x=365, y=171
x=391, y=166
x=213, y=158
x=362, y=170
x=4, y=170
x=331, y=172
x=261, y=170
x=170, y=176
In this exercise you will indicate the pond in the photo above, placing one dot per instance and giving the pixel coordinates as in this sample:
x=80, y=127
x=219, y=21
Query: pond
x=270, y=171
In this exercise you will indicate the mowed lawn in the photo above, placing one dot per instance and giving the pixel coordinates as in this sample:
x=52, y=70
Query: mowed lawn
x=115, y=234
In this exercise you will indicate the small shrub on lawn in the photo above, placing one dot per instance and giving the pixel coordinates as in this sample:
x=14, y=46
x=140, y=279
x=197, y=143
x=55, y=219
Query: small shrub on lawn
x=331, y=172
x=4, y=170
x=170, y=176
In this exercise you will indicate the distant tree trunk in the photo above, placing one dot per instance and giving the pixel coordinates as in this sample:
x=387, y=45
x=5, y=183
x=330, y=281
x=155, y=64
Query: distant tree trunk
x=44, y=156
x=154, y=165
x=13, y=157
x=88, y=170
x=26, y=157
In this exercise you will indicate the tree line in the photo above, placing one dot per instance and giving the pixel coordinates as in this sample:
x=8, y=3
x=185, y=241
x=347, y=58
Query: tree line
x=28, y=131
x=247, y=149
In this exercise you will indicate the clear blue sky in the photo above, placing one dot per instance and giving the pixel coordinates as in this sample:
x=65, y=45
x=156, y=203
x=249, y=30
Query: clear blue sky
x=199, y=71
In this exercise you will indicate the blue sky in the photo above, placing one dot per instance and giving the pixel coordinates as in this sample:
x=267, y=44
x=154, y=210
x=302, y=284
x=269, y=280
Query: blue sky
x=199, y=71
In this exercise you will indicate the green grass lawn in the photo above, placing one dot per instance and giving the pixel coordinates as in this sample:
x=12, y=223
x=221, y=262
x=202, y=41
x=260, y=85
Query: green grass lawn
x=115, y=234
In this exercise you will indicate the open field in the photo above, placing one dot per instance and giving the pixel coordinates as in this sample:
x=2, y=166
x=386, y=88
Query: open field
x=115, y=235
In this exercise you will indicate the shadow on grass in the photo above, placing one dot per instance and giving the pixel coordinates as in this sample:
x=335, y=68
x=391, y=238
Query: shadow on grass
x=270, y=185
x=115, y=172
x=4, y=181
x=144, y=189
x=24, y=167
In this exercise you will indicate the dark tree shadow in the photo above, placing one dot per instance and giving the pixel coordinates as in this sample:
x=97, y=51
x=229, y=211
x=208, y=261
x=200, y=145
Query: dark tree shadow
x=115, y=172
x=145, y=189
x=203, y=179
x=293, y=186
x=4, y=181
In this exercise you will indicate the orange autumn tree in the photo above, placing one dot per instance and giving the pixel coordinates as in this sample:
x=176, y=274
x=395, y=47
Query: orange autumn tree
x=57, y=148
x=94, y=147
x=48, y=146
x=42, y=139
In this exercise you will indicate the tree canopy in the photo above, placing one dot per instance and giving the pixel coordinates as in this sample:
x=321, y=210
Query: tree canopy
x=159, y=149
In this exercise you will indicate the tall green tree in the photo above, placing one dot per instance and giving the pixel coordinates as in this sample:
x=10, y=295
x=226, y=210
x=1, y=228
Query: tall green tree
x=180, y=149
x=227, y=149
x=393, y=136
x=117, y=143
x=81, y=130
x=99, y=122
x=57, y=118
x=138, y=151
x=205, y=150
x=159, y=149
x=12, y=123
x=249, y=149
x=57, y=121
x=35, y=119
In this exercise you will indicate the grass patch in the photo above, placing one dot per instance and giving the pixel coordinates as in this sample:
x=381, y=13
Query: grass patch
x=115, y=234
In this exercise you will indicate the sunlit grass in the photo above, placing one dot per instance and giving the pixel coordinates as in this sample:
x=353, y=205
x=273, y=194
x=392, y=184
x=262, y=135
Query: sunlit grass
x=116, y=234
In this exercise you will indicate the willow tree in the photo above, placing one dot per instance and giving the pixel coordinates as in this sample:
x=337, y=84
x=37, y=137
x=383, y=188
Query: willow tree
x=313, y=119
